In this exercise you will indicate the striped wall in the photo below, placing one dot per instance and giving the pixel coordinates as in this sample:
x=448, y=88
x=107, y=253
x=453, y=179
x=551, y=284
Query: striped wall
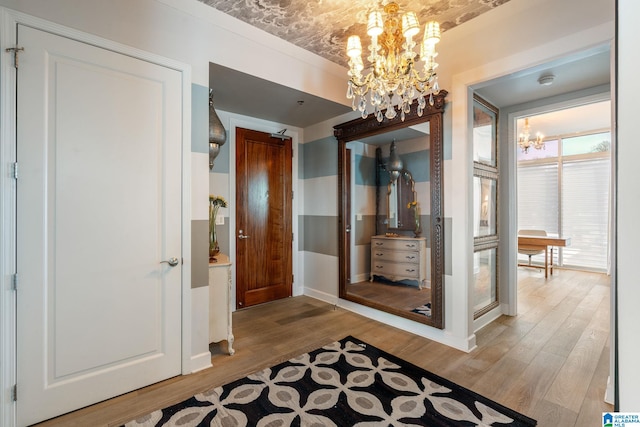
x=199, y=204
x=318, y=225
x=318, y=168
x=218, y=184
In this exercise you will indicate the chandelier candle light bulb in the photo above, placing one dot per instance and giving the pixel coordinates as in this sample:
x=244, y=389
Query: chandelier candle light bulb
x=393, y=78
x=525, y=142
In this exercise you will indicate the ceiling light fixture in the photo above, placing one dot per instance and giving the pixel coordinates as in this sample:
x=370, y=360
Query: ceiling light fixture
x=546, y=80
x=393, y=78
x=217, y=133
x=525, y=143
x=394, y=165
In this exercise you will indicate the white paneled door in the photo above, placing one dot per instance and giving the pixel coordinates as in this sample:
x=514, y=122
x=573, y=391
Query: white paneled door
x=98, y=214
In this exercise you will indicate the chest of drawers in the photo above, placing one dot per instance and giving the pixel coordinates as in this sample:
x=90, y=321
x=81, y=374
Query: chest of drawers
x=399, y=258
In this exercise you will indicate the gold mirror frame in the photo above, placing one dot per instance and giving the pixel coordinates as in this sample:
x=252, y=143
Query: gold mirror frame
x=363, y=128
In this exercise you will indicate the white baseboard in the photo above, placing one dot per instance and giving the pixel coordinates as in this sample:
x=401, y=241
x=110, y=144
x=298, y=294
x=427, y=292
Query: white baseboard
x=610, y=393
x=200, y=361
x=322, y=296
x=360, y=278
x=487, y=318
x=465, y=344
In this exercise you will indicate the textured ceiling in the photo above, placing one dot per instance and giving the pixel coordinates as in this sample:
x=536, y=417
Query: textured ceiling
x=323, y=26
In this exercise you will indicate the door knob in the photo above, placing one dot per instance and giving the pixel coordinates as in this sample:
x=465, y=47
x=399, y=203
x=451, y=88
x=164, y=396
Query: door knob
x=173, y=261
x=242, y=236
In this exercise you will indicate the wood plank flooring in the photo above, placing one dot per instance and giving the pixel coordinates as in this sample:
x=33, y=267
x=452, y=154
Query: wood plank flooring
x=397, y=295
x=551, y=362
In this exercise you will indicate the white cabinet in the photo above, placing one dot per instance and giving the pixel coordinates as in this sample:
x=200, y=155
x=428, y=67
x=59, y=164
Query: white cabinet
x=400, y=258
x=220, y=301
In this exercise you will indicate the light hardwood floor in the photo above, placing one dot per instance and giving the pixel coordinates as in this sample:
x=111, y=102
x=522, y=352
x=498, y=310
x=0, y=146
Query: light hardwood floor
x=551, y=362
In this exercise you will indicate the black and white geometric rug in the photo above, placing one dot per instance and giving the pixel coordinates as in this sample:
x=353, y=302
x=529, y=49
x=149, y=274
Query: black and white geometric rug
x=425, y=309
x=346, y=383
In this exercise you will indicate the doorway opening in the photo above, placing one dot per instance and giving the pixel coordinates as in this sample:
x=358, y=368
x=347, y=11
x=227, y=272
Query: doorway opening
x=564, y=186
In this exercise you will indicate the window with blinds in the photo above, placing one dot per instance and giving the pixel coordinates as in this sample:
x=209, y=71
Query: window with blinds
x=568, y=195
x=538, y=202
x=585, y=201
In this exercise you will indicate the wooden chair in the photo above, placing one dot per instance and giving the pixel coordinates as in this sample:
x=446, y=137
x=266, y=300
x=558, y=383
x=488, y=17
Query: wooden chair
x=531, y=251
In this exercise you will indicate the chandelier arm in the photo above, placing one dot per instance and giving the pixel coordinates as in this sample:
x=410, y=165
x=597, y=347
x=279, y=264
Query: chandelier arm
x=361, y=83
x=418, y=79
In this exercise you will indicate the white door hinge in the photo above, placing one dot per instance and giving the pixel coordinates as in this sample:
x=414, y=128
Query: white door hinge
x=293, y=278
x=14, y=393
x=15, y=51
x=14, y=282
x=15, y=170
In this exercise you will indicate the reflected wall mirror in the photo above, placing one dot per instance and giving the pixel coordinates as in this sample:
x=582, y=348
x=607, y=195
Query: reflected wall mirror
x=401, y=200
x=390, y=220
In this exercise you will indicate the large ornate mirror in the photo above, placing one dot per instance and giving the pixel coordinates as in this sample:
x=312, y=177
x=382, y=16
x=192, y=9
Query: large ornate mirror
x=391, y=224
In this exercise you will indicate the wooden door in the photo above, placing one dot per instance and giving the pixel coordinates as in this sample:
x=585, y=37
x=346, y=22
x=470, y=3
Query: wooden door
x=263, y=218
x=98, y=210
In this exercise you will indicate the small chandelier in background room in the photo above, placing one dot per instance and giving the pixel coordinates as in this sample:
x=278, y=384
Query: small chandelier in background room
x=525, y=143
x=393, y=78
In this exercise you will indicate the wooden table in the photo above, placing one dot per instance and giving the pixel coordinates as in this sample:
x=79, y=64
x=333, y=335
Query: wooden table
x=543, y=243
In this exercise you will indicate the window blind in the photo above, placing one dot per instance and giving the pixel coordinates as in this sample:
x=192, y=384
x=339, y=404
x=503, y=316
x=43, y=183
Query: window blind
x=585, y=216
x=538, y=204
x=583, y=213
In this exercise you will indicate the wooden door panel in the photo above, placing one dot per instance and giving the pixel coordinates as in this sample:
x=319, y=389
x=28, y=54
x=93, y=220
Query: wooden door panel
x=263, y=198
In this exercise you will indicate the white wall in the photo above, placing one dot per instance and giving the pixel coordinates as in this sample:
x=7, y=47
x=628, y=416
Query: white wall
x=628, y=176
x=196, y=34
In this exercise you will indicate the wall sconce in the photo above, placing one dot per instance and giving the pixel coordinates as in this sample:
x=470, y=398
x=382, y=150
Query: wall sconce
x=217, y=133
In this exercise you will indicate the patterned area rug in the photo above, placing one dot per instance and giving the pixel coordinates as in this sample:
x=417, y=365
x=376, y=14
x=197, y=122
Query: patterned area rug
x=423, y=309
x=346, y=383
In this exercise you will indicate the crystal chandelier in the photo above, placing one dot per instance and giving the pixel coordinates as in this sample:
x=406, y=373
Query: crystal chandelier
x=525, y=143
x=393, y=78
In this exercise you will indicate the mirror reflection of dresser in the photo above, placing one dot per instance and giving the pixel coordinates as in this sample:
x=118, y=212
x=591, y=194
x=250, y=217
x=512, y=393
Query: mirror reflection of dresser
x=400, y=259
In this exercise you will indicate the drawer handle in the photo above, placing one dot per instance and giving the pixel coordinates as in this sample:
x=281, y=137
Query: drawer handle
x=379, y=253
x=379, y=266
x=410, y=245
x=379, y=243
x=410, y=257
x=410, y=270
